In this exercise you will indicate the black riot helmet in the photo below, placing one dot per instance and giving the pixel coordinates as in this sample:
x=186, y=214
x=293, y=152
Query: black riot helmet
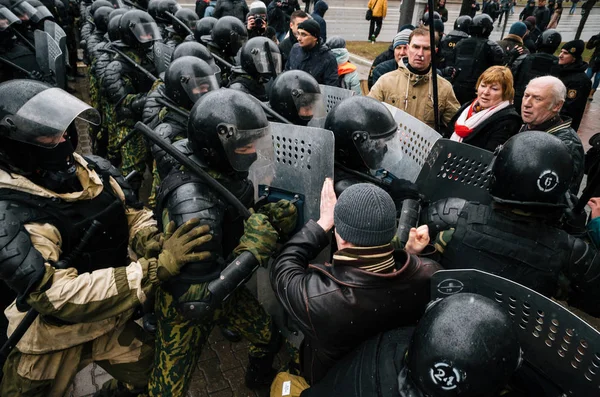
x=137, y=28
x=189, y=18
x=114, y=19
x=166, y=7
x=7, y=18
x=37, y=134
x=260, y=56
x=548, y=41
x=187, y=79
x=361, y=126
x=464, y=345
x=229, y=35
x=22, y=9
x=153, y=8
x=296, y=95
x=226, y=128
x=463, y=23
x=101, y=18
x=42, y=14
x=425, y=18
x=193, y=49
x=533, y=168
x=204, y=27
x=100, y=3
x=482, y=26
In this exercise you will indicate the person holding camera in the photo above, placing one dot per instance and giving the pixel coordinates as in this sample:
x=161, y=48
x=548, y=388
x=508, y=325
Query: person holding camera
x=256, y=23
x=279, y=14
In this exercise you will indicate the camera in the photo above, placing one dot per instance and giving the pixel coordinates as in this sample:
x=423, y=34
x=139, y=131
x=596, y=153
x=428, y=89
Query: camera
x=259, y=21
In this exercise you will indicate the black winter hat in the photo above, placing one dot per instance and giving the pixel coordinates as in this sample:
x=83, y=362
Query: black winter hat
x=311, y=26
x=574, y=48
x=365, y=215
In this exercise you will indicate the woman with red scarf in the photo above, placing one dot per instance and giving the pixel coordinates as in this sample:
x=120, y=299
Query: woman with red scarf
x=491, y=118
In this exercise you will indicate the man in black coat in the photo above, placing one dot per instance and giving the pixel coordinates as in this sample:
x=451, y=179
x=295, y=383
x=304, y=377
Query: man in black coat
x=572, y=74
x=311, y=55
x=234, y=8
x=542, y=15
x=286, y=45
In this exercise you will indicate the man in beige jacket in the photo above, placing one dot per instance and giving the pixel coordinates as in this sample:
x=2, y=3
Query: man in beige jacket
x=85, y=294
x=410, y=88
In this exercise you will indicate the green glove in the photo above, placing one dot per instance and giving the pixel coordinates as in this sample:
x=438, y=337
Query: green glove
x=283, y=215
x=260, y=238
x=179, y=247
x=147, y=243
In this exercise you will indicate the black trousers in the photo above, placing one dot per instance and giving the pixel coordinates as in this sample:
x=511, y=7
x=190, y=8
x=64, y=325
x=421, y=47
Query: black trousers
x=375, y=26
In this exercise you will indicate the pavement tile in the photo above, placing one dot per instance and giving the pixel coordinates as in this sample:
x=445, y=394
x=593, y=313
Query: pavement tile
x=222, y=393
x=225, y=355
x=198, y=385
x=236, y=380
x=214, y=376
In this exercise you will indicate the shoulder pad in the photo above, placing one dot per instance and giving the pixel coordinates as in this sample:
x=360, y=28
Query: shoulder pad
x=21, y=265
x=152, y=107
x=113, y=83
x=442, y=214
x=105, y=169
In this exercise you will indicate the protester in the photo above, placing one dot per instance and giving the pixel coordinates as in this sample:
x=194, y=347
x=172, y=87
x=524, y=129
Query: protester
x=379, y=11
x=279, y=13
x=410, y=89
x=572, y=73
x=527, y=40
x=573, y=7
x=555, y=19
x=527, y=10
x=541, y=111
x=318, y=15
x=311, y=55
x=286, y=45
x=542, y=15
x=491, y=119
x=594, y=69
x=514, y=39
x=400, y=45
x=234, y=8
x=348, y=75
x=368, y=288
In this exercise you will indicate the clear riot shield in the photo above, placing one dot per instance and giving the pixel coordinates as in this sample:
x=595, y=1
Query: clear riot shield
x=334, y=95
x=556, y=342
x=162, y=56
x=59, y=35
x=50, y=57
x=417, y=139
x=455, y=169
x=303, y=158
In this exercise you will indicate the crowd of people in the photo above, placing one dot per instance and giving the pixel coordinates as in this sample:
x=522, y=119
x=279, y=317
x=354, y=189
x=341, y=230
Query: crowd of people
x=97, y=270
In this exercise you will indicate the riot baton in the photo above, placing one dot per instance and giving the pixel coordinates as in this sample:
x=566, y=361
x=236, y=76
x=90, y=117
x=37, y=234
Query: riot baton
x=434, y=76
x=32, y=314
x=409, y=218
x=180, y=22
x=504, y=25
x=271, y=112
x=29, y=44
x=134, y=5
x=222, y=61
x=172, y=107
x=19, y=68
x=131, y=61
x=193, y=167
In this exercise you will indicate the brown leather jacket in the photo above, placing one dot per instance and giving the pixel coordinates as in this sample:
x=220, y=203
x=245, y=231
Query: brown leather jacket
x=339, y=307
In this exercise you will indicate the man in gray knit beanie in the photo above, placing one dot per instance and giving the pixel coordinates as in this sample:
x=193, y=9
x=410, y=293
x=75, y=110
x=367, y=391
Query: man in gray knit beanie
x=369, y=287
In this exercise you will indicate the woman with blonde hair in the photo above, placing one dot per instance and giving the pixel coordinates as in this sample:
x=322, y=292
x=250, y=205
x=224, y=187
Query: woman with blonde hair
x=491, y=118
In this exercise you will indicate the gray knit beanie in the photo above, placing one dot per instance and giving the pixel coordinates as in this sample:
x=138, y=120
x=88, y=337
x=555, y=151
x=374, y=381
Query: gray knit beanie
x=365, y=215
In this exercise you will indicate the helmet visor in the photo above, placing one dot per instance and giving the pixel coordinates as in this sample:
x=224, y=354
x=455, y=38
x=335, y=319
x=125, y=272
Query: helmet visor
x=43, y=120
x=381, y=153
x=195, y=87
x=146, y=32
x=309, y=105
x=7, y=18
x=244, y=147
x=24, y=11
x=267, y=63
x=41, y=14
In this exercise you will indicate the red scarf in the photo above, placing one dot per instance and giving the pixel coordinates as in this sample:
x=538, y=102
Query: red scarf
x=465, y=124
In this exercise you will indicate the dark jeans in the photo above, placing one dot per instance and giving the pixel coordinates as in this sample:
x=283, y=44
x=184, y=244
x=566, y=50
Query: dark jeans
x=503, y=13
x=375, y=26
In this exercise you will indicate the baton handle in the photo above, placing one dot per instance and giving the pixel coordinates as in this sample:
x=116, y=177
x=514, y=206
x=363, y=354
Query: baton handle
x=172, y=107
x=180, y=22
x=133, y=63
x=409, y=218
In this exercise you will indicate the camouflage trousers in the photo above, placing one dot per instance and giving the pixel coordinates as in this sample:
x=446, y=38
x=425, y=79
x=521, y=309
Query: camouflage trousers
x=133, y=153
x=179, y=341
x=126, y=353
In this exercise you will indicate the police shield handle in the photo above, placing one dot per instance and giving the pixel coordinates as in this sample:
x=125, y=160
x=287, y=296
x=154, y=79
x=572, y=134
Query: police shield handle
x=194, y=167
x=328, y=201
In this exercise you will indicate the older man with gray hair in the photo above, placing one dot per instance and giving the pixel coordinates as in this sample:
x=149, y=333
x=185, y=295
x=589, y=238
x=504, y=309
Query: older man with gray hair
x=543, y=99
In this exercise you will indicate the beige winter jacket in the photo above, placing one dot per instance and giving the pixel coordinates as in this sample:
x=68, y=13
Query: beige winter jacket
x=413, y=94
x=99, y=301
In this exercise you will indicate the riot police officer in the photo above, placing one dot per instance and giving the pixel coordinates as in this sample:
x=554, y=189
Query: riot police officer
x=67, y=224
x=516, y=236
x=260, y=61
x=449, y=41
x=473, y=55
x=126, y=88
x=225, y=130
x=529, y=66
x=183, y=18
x=204, y=28
x=227, y=37
x=296, y=96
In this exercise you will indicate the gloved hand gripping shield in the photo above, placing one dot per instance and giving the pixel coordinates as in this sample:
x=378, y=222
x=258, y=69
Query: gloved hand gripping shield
x=43, y=119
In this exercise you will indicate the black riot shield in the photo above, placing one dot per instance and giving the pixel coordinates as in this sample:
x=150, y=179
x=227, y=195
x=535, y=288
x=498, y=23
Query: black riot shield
x=59, y=35
x=162, y=56
x=302, y=159
x=555, y=342
x=416, y=138
x=50, y=58
x=455, y=169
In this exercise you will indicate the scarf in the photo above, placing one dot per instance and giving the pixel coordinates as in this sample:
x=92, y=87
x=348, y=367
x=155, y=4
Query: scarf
x=471, y=117
x=371, y=259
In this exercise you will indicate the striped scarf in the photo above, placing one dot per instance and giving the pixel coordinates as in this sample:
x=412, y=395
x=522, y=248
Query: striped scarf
x=379, y=259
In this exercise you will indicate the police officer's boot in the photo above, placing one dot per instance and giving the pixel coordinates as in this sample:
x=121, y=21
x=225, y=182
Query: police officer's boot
x=591, y=97
x=115, y=388
x=260, y=372
x=230, y=335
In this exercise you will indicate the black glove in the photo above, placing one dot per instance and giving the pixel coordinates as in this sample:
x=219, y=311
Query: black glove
x=137, y=105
